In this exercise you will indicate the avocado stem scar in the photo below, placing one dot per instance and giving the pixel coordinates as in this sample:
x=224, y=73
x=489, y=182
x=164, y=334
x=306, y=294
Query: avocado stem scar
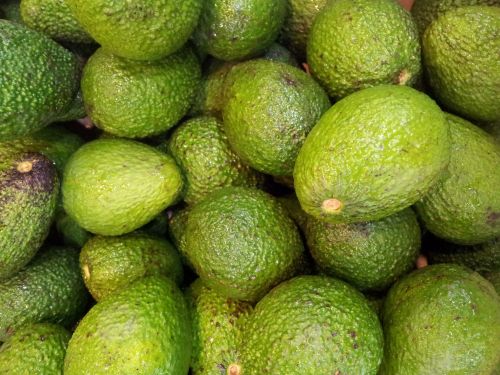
x=234, y=370
x=86, y=272
x=332, y=205
x=25, y=166
x=404, y=76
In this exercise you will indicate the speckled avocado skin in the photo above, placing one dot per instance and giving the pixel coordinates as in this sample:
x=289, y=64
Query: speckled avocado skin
x=29, y=189
x=464, y=205
x=38, y=80
x=372, y=154
x=312, y=325
x=36, y=349
x=442, y=319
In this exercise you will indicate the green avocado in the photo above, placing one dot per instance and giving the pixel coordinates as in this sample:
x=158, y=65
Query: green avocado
x=177, y=222
x=355, y=44
x=372, y=154
x=109, y=264
x=201, y=149
x=144, y=329
x=38, y=80
x=464, y=205
x=236, y=30
x=462, y=67
x=137, y=30
x=269, y=109
x=35, y=349
x=241, y=243
x=114, y=186
x=49, y=289
x=71, y=233
x=11, y=10
x=29, y=189
x=312, y=325
x=442, y=319
x=156, y=94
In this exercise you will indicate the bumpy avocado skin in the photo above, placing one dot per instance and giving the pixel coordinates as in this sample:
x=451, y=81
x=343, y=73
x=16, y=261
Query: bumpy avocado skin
x=177, y=222
x=29, y=190
x=134, y=30
x=363, y=43
x=144, y=329
x=156, y=94
x=38, y=80
x=270, y=107
x=462, y=69
x=241, y=243
x=54, y=19
x=372, y=154
x=48, y=289
x=442, y=319
x=217, y=329
x=201, y=149
x=110, y=264
x=237, y=30
x=464, y=205
x=312, y=325
x=36, y=349
x=426, y=11
x=114, y=186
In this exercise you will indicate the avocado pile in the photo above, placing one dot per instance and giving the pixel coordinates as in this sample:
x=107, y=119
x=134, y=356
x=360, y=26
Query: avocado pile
x=228, y=187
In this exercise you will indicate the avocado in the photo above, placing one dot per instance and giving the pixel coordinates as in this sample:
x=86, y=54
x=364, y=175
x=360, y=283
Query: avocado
x=144, y=329
x=426, y=11
x=298, y=22
x=54, y=19
x=368, y=255
x=75, y=109
x=464, y=205
x=71, y=233
x=11, y=10
x=38, y=80
x=355, y=44
x=29, y=189
x=49, y=289
x=312, y=325
x=114, y=186
x=135, y=30
x=236, y=30
x=109, y=264
x=177, y=222
x=217, y=329
x=372, y=154
x=441, y=319
x=269, y=109
x=156, y=94
x=35, y=349
x=201, y=149
x=292, y=207
x=462, y=68
x=277, y=52
x=241, y=242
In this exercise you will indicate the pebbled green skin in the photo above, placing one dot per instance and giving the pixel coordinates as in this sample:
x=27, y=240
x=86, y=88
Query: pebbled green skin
x=298, y=23
x=277, y=52
x=156, y=94
x=312, y=325
x=377, y=151
x=461, y=68
x=49, y=289
x=241, y=243
x=482, y=258
x=144, y=329
x=236, y=30
x=27, y=207
x=464, y=205
x=36, y=349
x=426, y=11
x=355, y=44
x=38, y=80
x=114, y=186
x=136, y=30
x=442, y=319
x=200, y=148
x=72, y=234
x=109, y=264
x=55, y=142
x=370, y=255
x=54, y=19
x=177, y=222
x=270, y=107
x=217, y=329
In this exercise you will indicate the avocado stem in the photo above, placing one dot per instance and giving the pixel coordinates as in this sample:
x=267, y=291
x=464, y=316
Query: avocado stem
x=25, y=166
x=332, y=206
x=234, y=369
